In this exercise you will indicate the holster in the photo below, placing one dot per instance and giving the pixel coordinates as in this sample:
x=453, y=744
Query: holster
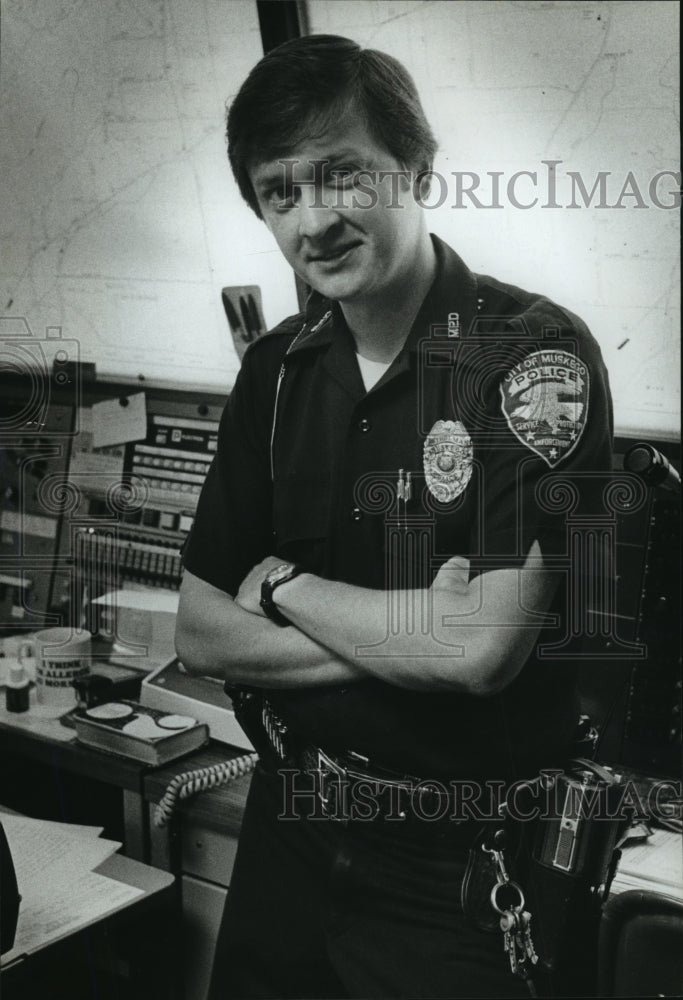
x=564, y=902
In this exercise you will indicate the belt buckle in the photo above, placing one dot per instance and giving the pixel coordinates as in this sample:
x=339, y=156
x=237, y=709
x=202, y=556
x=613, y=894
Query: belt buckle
x=332, y=787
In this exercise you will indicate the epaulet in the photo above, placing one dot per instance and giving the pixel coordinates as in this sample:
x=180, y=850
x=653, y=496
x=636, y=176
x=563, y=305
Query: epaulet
x=500, y=296
x=528, y=312
x=543, y=312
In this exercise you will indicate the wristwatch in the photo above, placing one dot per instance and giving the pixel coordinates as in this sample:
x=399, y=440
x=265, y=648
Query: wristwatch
x=281, y=574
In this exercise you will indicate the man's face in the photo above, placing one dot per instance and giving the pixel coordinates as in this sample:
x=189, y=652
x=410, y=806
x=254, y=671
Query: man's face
x=332, y=219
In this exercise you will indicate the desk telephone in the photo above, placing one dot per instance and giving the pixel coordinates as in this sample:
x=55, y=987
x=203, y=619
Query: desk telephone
x=203, y=698
x=171, y=689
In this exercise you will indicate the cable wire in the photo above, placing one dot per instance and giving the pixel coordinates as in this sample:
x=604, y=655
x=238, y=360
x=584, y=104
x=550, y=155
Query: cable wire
x=201, y=780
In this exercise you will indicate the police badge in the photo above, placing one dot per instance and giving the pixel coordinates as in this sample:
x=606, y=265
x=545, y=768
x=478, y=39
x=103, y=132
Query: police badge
x=447, y=460
x=545, y=402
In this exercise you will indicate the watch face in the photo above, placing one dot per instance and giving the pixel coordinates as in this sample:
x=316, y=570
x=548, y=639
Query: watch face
x=279, y=573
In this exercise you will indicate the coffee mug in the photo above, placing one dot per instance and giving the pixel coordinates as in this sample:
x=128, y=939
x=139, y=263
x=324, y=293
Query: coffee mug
x=61, y=655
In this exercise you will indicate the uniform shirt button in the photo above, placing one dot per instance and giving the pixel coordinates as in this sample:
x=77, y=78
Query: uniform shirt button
x=356, y=514
x=364, y=425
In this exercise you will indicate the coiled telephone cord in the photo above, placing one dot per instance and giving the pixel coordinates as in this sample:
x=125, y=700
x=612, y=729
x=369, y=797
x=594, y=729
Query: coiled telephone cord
x=192, y=782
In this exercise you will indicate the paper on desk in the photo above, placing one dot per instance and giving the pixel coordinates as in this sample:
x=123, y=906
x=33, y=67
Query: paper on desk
x=656, y=863
x=59, y=891
x=43, y=850
x=75, y=829
x=62, y=907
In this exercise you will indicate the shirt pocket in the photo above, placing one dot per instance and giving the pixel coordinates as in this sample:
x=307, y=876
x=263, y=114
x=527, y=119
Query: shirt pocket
x=301, y=521
x=427, y=533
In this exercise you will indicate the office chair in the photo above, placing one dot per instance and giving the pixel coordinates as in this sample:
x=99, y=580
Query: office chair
x=640, y=951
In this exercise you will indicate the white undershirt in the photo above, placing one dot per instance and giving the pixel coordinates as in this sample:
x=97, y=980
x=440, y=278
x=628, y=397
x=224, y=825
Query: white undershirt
x=371, y=371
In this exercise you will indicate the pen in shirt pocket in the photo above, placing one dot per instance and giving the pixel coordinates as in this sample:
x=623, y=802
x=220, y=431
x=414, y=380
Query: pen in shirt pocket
x=404, y=491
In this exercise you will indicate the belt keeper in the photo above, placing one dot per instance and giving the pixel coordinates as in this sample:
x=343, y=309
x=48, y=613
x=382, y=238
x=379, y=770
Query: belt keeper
x=275, y=728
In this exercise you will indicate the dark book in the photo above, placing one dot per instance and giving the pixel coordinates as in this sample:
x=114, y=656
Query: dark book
x=132, y=730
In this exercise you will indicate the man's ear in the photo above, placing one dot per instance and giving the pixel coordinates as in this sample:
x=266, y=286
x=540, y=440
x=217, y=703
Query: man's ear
x=422, y=185
x=256, y=209
x=253, y=204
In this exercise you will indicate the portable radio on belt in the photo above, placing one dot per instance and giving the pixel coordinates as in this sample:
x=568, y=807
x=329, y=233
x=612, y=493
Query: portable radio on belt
x=580, y=835
x=561, y=866
x=573, y=861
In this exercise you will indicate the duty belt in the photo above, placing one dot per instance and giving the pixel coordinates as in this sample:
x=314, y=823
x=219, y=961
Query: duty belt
x=348, y=785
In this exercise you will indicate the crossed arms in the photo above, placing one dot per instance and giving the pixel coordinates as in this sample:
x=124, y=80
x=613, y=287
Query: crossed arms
x=459, y=635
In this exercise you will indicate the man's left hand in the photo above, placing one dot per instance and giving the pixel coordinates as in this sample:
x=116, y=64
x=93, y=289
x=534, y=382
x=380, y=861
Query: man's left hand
x=249, y=595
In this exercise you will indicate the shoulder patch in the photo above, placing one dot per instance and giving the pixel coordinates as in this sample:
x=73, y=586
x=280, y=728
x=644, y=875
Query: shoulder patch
x=545, y=402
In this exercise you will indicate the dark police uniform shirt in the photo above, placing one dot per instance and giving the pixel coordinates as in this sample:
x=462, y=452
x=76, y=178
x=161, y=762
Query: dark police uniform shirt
x=495, y=411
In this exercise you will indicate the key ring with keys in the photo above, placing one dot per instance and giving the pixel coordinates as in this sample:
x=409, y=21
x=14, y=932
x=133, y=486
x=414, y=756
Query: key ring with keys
x=504, y=884
x=508, y=900
x=503, y=889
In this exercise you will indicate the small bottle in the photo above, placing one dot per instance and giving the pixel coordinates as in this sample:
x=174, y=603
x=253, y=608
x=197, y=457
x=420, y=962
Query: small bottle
x=16, y=690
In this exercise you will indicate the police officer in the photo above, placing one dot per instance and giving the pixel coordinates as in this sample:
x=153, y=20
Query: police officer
x=379, y=558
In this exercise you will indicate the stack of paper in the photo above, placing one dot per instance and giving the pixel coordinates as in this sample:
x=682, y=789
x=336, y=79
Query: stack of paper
x=655, y=864
x=60, y=892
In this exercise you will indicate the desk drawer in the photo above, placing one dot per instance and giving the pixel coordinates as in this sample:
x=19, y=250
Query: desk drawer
x=207, y=853
x=202, y=911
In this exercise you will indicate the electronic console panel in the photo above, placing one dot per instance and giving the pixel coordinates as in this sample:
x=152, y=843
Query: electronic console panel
x=77, y=521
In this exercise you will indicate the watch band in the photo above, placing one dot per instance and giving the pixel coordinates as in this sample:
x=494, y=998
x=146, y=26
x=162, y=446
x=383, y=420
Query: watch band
x=276, y=577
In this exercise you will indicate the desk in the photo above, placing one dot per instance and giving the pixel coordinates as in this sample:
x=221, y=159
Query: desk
x=66, y=965
x=49, y=743
x=199, y=847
